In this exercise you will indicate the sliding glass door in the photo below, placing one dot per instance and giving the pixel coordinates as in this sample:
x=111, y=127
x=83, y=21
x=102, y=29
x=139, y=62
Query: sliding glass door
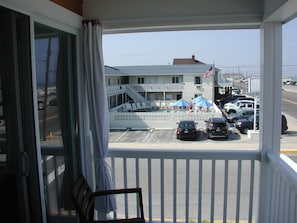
x=38, y=121
x=21, y=196
x=58, y=129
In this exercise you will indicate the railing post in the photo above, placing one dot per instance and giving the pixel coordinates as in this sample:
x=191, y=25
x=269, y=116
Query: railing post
x=270, y=127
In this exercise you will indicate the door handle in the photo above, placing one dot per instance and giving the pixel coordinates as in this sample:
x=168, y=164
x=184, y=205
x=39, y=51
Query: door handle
x=25, y=164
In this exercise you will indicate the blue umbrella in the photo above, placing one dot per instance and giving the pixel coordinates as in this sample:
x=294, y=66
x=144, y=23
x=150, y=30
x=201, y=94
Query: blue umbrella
x=181, y=103
x=198, y=99
x=203, y=103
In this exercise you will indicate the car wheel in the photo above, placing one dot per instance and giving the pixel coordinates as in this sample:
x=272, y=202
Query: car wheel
x=244, y=131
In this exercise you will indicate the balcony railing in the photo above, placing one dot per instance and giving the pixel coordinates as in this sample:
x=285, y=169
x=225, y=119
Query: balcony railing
x=191, y=185
x=195, y=185
x=158, y=87
x=282, y=190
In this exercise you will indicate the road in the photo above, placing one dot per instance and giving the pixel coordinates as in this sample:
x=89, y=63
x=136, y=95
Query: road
x=289, y=107
x=289, y=100
x=52, y=121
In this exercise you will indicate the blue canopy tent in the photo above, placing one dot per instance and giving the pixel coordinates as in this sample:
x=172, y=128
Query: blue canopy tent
x=181, y=103
x=200, y=101
x=204, y=104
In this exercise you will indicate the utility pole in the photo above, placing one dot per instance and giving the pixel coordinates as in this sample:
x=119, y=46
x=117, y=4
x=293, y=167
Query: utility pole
x=46, y=87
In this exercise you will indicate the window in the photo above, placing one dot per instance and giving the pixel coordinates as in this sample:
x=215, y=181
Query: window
x=197, y=95
x=175, y=80
x=140, y=80
x=197, y=80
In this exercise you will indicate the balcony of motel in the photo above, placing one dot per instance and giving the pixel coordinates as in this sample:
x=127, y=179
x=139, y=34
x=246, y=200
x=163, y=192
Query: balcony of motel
x=197, y=185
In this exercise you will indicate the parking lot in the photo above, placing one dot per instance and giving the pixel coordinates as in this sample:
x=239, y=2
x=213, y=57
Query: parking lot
x=166, y=138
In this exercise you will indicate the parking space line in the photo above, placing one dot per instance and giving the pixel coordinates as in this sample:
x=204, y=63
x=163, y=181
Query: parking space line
x=288, y=151
x=174, y=134
x=124, y=133
x=148, y=135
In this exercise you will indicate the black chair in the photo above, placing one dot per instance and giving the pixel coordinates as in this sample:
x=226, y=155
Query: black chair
x=84, y=200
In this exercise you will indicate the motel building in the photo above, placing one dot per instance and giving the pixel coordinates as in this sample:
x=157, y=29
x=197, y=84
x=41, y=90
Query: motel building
x=161, y=85
x=156, y=88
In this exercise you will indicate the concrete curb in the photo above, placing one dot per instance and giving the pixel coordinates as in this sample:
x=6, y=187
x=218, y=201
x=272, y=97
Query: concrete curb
x=288, y=151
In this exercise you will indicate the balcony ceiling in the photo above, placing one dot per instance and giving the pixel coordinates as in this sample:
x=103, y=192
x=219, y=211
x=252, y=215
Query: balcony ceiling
x=160, y=15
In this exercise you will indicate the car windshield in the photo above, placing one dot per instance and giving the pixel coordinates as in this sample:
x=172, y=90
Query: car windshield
x=220, y=124
x=251, y=118
x=247, y=113
x=187, y=125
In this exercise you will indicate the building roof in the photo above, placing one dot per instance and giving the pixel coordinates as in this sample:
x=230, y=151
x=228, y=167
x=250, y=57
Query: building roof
x=159, y=70
x=113, y=71
x=191, y=60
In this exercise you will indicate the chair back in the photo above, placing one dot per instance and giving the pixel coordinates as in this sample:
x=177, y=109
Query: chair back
x=83, y=199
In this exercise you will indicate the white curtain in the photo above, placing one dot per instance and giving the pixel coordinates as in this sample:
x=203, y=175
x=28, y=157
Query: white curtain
x=98, y=108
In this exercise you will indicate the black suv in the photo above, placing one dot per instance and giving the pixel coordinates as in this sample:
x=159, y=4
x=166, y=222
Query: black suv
x=186, y=130
x=243, y=125
x=216, y=128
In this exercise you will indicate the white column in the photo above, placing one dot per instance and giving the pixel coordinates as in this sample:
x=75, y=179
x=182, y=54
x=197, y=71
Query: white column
x=270, y=108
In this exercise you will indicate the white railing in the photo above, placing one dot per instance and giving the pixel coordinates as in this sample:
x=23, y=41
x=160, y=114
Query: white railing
x=134, y=94
x=158, y=87
x=115, y=89
x=190, y=185
x=282, y=192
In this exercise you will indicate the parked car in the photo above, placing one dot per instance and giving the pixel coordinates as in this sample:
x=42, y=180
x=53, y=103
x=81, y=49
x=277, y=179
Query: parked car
x=244, y=113
x=235, y=90
x=40, y=105
x=186, y=129
x=53, y=102
x=243, y=125
x=235, y=101
x=284, y=124
x=216, y=128
x=230, y=98
x=234, y=108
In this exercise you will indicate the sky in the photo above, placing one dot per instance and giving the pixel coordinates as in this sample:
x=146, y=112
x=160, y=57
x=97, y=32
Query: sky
x=232, y=51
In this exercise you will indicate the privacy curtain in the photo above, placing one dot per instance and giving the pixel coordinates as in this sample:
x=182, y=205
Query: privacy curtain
x=66, y=116
x=98, y=107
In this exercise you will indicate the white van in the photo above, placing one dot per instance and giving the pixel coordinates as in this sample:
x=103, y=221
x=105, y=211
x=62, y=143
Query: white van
x=234, y=108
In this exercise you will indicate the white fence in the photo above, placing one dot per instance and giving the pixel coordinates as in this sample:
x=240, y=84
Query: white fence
x=166, y=120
